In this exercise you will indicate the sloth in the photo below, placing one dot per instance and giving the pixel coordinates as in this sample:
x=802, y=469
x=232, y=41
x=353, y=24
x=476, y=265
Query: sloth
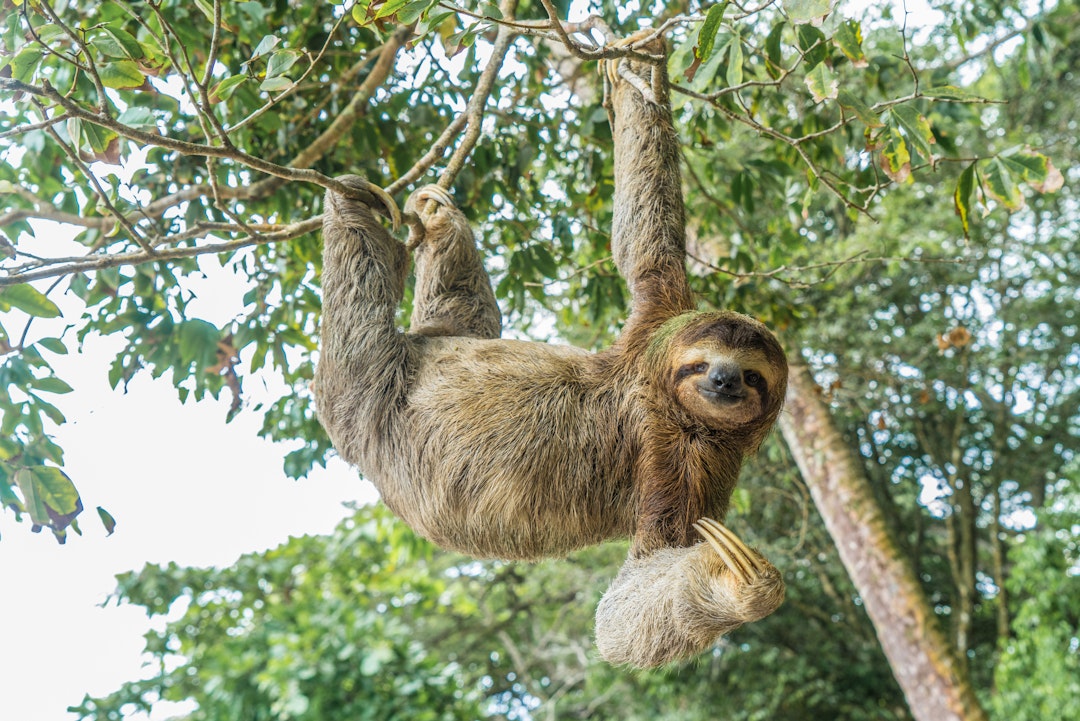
x=518, y=450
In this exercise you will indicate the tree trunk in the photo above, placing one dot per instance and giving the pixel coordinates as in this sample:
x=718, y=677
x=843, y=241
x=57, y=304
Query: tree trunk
x=921, y=657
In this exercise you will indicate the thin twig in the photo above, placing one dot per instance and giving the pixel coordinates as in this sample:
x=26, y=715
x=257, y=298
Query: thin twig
x=101, y=262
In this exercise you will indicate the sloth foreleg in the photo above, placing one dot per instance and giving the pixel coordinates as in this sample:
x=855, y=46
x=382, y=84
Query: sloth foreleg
x=677, y=602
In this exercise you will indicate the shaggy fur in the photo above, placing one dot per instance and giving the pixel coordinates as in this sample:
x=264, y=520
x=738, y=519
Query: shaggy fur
x=518, y=450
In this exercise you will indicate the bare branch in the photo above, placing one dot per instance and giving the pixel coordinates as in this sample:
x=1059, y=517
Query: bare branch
x=475, y=110
x=56, y=267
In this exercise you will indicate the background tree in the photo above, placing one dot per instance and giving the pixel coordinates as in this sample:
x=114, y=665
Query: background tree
x=826, y=157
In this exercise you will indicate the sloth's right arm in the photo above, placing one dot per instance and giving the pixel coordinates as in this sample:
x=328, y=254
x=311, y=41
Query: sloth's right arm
x=648, y=236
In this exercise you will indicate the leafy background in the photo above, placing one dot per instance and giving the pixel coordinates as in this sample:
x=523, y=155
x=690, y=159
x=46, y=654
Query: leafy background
x=853, y=179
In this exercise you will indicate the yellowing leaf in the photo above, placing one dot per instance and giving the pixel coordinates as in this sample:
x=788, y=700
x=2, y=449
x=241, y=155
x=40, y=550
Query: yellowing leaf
x=895, y=158
x=707, y=35
x=121, y=74
x=1000, y=184
x=49, y=496
x=848, y=38
x=962, y=196
x=917, y=129
x=822, y=83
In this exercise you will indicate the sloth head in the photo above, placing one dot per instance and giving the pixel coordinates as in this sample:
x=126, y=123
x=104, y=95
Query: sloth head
x=725, y=370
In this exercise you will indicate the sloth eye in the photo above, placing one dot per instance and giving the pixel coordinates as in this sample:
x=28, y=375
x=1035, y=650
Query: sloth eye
x=691, y=369
x=752, y=378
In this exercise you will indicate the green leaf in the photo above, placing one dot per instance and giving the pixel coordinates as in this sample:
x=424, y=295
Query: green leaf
x=917, y=129
x=735, y=62
x=106, y=520
x=822, y=83
x=412, y=12
x=862, y=111
x=962, y=196
x=773, y=52
x=49, y=495
x=389, y=8
x=807, y=11
x=52, y=384
x=707, y=35
x=281, y=61
x=29, y=300
x=198, y=341
x=951, y=92
x=265, y=46
x=121, y=74
x=224, y=89
x=273, y=85
x=138, y=117
x=118, y=43
x=25, y=63
x=999, y=183
x=53, y=344
x=95, y=141
x=812, y=42
x=848, y=38
x=1035, y=169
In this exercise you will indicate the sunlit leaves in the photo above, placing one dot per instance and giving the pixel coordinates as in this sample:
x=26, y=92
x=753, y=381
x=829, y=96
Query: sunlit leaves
x=25, y=63
x=849, y=39
x=29, y=300
x=226, y=87
x=916, y=129
x=962, y=196
x=107, y=521
x=707, y=34
x=49, y=497
x=1033, y=168
x=999, y=180
x=822, y=83
x=1000, y=184
x=895, y=158
x=807, y=11
x=121, y=74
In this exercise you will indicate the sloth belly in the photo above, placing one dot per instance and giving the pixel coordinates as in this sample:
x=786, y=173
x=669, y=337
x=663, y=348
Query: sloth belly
x=514, y=455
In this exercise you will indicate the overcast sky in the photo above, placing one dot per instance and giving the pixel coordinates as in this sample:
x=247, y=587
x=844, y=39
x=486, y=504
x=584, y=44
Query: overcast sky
x=182, y=485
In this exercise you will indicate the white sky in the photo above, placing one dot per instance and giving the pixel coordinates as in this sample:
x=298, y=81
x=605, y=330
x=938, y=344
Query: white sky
x=183, y=486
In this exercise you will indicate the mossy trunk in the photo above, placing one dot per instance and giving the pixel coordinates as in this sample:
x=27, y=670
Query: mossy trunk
x=919, y=653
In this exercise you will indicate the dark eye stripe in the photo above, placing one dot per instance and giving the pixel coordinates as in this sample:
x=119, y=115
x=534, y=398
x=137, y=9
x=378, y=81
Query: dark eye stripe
x=690, y=369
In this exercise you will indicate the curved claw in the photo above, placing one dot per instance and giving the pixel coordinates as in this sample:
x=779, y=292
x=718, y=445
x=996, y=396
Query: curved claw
x=436, y=193
x=740, y=560
x=390, y=208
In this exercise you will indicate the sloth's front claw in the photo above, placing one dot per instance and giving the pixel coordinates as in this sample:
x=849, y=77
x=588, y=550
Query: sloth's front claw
x=417, y=202
x=740, y=560
x=754, y=588
x=375, y=193
x=419, y=211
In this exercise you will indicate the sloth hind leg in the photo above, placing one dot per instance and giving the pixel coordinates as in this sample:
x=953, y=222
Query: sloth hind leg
x=453, y=295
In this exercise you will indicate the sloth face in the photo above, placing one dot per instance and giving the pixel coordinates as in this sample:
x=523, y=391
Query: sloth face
x=724, y=387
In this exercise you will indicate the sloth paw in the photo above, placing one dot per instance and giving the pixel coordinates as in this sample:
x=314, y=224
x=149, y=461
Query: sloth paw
x=635, y=72
x=417, y=202
x=370, y=193
x=748, y=587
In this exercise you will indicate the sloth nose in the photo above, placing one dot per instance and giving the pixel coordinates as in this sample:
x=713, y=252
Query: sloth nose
x=726, y=378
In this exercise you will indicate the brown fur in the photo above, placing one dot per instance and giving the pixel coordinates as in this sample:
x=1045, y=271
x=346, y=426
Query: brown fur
x=519, y=450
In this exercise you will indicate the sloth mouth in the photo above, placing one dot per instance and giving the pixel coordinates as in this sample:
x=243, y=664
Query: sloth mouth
x=721, y=396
